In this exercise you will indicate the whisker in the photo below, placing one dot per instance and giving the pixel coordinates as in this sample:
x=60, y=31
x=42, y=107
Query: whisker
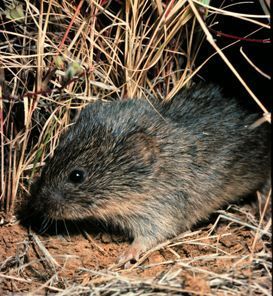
x=66, y=229
x=45, y=225
x=56, y=227
x=76, y=225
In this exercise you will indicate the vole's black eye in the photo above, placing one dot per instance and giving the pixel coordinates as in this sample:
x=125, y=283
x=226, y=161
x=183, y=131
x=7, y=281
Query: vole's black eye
x=76, y=176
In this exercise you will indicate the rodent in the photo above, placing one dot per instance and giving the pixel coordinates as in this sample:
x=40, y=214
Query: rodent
x=155, y=169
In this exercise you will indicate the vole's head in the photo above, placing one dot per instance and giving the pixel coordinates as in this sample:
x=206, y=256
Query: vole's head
x=102, y=165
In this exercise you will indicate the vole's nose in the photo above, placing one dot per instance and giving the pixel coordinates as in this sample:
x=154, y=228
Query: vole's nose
x=57, y=196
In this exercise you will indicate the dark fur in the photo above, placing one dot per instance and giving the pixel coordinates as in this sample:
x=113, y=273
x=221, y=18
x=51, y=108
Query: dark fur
x=154, y=171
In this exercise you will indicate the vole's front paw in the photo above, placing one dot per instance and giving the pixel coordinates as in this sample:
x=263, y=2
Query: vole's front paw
x=130, y=256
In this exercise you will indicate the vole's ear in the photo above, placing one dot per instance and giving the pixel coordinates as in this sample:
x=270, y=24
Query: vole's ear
x=143, y=146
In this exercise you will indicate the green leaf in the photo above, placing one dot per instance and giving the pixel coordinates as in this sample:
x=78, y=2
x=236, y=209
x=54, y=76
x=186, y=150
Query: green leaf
x=15, y=13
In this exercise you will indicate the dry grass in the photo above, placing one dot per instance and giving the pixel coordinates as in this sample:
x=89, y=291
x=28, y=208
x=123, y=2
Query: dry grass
x=58, y=57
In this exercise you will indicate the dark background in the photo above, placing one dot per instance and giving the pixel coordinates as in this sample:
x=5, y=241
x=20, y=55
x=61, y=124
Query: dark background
x=260, y=54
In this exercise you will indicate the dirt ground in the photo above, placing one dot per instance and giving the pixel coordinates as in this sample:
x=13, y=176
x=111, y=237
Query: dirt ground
x=229, y=255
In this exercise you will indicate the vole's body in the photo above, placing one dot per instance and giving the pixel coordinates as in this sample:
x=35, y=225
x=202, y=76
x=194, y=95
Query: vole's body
x=154, y=171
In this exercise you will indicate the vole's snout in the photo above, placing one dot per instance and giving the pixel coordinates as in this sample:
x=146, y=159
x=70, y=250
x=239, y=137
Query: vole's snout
x=49, y=202
x=57, y=197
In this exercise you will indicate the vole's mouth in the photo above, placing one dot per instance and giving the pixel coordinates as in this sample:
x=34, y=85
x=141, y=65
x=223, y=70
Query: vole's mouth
x=62, y=210
x=57, y=205
x=60, y=213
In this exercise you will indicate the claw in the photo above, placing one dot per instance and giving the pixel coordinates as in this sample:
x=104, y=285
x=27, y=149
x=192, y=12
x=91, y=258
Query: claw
x=130, y=256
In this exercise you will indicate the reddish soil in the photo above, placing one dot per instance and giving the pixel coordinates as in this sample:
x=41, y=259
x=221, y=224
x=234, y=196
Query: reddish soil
x=196, y=262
